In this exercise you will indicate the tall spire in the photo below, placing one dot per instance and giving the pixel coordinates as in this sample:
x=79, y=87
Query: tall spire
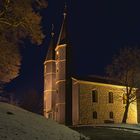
x=51, y=50
x=62, y=39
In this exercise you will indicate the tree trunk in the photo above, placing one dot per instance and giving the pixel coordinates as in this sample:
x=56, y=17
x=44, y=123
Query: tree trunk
x=125, y=113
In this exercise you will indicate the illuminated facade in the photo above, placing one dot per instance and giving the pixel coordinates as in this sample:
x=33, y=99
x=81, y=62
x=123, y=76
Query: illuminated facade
x=98, y=103
x=70, y=100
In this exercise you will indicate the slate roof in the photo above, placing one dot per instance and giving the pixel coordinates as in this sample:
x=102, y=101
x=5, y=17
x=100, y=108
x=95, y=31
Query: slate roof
x=98, y=79
x=51, y=50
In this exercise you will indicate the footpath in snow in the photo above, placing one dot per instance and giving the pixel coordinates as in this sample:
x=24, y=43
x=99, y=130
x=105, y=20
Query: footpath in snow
x=121, y=126
x=134, y=128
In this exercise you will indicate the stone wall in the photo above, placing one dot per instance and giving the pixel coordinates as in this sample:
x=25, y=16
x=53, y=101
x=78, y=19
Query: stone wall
x=103, y=107
x=75, y=102
x=49, y=88
x=60, y=82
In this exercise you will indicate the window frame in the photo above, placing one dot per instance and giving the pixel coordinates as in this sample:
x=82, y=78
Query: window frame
x=111, y=115
x=94, y=96
x=110, y=97
x=94, y=115
x=57, y=55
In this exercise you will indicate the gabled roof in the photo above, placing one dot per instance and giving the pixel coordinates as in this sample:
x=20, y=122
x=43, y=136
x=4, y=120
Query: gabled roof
x=98, y=79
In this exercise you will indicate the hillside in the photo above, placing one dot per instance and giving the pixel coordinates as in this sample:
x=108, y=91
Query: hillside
x=19, y=124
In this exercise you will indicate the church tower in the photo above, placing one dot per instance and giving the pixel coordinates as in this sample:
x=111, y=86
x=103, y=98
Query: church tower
x=63, y=76
x=57, y=78
x=49, y=80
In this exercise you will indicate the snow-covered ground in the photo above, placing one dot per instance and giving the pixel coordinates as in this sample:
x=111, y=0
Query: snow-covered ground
x=19, y=124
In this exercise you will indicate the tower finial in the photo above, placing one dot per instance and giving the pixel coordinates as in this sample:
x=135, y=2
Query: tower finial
x=65, y=9
x=52, y=33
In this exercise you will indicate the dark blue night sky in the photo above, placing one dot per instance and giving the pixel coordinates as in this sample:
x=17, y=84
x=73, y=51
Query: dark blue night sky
x=97, y=30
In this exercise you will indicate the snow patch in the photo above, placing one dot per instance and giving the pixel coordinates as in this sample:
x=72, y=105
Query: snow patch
x=19, y=124
x=127, y=130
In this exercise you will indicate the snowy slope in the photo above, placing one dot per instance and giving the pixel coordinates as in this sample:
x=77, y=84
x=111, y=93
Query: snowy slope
x=19, y=124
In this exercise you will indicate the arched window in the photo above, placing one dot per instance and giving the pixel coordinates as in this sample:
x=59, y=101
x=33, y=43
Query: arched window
x=56, y=109
x=110, y=97
x=57, y=55
x=111, y=115
x=57, y=91
x=94, y=96
x=94, y=115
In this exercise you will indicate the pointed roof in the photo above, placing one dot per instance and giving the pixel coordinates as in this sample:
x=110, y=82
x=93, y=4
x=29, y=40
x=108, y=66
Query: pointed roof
x=51, y=50
x=62, y=39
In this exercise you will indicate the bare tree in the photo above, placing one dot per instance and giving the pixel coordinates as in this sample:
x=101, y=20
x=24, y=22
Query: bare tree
x=125, y=69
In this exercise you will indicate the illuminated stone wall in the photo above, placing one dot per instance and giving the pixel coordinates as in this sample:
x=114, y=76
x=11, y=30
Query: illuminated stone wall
x=60, y=82
x=49, y=88
x=103, y=107
x=75, y=102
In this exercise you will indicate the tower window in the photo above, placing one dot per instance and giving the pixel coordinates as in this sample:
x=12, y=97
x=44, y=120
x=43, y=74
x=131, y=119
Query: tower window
x=57, y=52
x=110, y=97
x=111, y=115
x=94, y=96
x=57, y=55
x=94, y=115
x=57, y=91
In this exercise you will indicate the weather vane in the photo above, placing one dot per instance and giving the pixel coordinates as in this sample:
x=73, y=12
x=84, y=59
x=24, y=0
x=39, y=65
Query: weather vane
x=52, y=33
x=65, y=8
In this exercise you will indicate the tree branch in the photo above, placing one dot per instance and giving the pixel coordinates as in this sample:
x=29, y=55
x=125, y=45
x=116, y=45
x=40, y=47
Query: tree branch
x=13, y=25
x=133, y=100
x=1, y=13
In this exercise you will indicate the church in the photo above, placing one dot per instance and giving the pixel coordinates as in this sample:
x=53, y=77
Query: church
x=72, y=100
